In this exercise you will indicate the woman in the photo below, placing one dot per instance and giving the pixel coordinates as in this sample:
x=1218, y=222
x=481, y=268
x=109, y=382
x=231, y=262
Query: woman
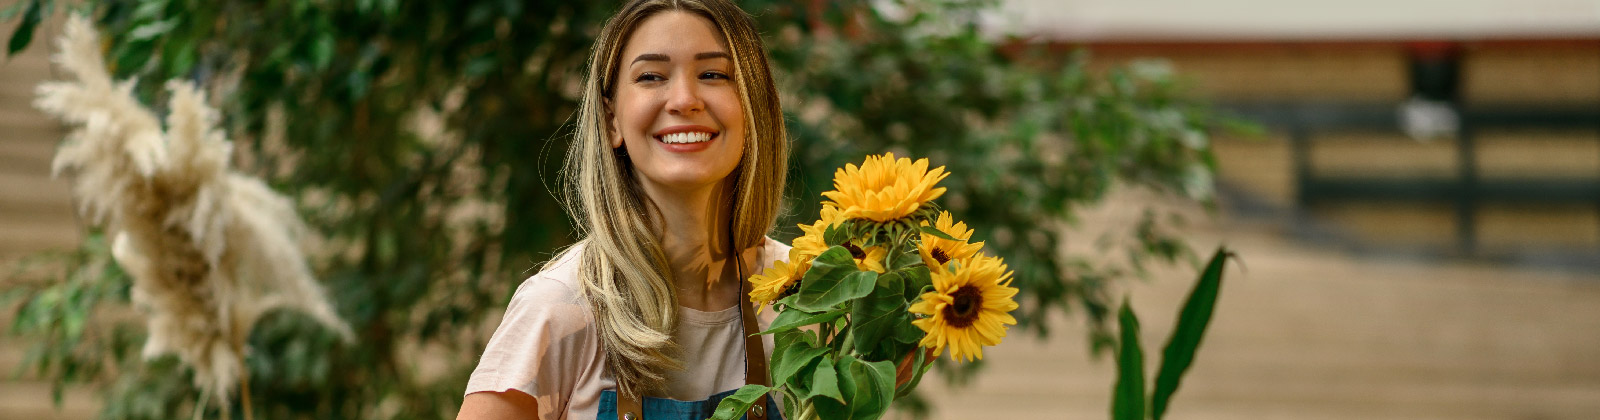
x=677, y=166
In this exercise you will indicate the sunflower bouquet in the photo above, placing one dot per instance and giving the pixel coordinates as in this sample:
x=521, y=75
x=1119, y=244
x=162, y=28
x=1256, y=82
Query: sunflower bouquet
x=881, y=283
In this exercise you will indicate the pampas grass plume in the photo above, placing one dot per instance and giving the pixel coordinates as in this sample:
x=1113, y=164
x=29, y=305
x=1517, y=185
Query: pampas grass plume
x=210, y=250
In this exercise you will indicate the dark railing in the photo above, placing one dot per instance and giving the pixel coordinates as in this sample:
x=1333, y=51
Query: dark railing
x=1467, y=191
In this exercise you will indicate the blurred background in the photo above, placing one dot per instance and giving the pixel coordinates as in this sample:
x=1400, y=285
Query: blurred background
x=1414, y=192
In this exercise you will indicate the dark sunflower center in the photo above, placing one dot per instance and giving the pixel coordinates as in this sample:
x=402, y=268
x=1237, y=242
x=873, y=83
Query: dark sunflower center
x=855, y=251
x=939, y=255
x=963, y=310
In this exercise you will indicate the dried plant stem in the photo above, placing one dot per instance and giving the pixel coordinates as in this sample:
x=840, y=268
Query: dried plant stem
x=244, y=383
x=200, y=404
x=244, y=394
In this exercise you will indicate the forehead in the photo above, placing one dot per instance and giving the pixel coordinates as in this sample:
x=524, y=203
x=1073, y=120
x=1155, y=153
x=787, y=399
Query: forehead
x=677, y=34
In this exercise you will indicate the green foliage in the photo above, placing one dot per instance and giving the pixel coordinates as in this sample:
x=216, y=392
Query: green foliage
x=1128, y=397
x=422, y=141
x=832, y=280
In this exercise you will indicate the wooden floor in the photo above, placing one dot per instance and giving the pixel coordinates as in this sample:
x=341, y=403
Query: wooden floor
x=1306, y=332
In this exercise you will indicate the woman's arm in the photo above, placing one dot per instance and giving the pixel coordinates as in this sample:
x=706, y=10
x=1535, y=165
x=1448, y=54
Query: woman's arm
x=509, y=405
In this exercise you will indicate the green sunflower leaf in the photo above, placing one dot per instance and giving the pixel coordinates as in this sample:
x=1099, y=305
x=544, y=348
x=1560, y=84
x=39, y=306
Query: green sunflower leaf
x=733, y=406
x=833, y=279
x=791, y=319
x=791, y=359
x=867, y=388
x=836, y=234
x=937, y=233
x=876, y=315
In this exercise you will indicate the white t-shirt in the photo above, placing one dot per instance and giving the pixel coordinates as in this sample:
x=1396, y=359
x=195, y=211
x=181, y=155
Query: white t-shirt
x=547, y=345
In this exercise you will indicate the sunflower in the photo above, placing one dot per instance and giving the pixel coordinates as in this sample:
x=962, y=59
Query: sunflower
x=884, y=189
x=968, y=309
x=937, y=252
x=869, y=258
x=782, y=279
x=811, y=244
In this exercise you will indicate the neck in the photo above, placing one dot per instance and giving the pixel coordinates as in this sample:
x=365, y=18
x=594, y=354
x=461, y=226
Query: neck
x=694, y=237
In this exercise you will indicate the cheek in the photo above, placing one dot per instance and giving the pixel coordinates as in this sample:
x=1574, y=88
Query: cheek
x=634, y=113
x=730, y=113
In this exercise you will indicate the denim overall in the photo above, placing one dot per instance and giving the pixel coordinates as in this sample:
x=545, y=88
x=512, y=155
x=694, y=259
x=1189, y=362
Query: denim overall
x=670, y=409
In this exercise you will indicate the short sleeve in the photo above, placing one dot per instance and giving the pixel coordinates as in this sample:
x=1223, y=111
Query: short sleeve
x=545, y=345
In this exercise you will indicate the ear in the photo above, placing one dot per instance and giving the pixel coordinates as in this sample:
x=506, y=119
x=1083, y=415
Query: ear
x=611, y=124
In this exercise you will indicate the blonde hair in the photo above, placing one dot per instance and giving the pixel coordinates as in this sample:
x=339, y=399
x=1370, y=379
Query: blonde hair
x=623, y=270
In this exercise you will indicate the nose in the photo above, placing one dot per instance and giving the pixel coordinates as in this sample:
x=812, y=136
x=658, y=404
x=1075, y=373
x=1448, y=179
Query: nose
x=683, y=98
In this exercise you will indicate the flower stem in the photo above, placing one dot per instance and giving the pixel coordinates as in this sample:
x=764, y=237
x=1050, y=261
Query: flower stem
x=807, y=411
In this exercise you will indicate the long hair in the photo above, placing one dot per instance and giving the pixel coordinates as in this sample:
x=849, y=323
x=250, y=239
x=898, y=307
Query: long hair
x=623, y=269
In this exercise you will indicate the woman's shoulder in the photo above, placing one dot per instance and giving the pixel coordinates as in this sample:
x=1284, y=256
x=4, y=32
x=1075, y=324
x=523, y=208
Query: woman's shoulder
x=773, y=251
x=556, y=282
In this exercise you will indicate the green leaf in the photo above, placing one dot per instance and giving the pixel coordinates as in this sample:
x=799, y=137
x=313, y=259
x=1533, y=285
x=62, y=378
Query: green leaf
x=149, y=10
x=1127, y=399
x=916, y=280
x=734, y=406
x=825, y=381
x=833, y=279
x=795, y=318
x=791, y=359
x=938, y=233
x=322, y=51
x=152, y=30
x=868, y=388
x=24, y=32
x=836, y=235
x=1191, y=329
x=876, y=316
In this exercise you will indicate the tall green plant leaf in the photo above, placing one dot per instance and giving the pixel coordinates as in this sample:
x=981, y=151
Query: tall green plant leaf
x=23, y=35
x=1127, y=399
x=1192, y=322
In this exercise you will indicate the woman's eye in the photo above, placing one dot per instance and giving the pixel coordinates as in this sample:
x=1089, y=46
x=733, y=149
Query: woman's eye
x=714, y=75
x=648, y=77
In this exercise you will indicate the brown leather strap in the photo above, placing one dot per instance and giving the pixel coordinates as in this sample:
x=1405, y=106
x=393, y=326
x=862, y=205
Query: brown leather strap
x=628, y=407
x=755, y=354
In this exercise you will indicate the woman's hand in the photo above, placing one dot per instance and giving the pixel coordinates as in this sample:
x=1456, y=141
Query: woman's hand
x=904, y=372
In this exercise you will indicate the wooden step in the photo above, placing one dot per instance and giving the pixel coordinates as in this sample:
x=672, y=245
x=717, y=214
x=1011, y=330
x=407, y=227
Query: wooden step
x=32, y=401
x=27, y=235
x=30, y=156
x=33, y=191
x=24, y=117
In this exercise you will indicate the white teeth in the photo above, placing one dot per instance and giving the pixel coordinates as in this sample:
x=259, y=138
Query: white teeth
x=686, y=137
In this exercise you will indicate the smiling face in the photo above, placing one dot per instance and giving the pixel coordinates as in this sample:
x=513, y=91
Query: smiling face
x=676, y=109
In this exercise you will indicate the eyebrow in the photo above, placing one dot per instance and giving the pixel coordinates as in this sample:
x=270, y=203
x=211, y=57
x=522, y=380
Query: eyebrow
x=663, y=57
